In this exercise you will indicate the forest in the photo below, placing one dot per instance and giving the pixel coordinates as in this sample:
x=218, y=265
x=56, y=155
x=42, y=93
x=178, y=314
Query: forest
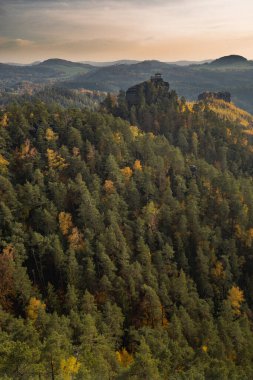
x=126, y=239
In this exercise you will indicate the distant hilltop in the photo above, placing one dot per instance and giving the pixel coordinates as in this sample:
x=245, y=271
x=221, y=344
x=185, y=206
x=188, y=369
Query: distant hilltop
x=226, y=96
x=229, y=60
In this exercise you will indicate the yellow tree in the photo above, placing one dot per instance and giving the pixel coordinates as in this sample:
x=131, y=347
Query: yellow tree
x=76, y=239
x=3, y=164
x=109, y=186
x=134, y=130
x=55, y=161
x=69, y=367
x=34, y=307
x=124, y=358
x=5, y=120
x=51, y=135
x=236, y=298
x=127, y=173
x=137, y=165
x=65, y=222
x=204, y=348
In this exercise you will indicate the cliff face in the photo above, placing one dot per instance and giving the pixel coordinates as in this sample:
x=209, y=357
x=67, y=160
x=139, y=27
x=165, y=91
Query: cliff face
x=226, y=96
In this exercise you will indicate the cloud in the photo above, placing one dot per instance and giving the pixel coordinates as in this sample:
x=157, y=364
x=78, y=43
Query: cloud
x=22, y=43
x=14, y=43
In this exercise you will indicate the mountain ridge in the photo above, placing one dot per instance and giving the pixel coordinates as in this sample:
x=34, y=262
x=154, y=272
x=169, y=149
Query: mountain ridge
x=188, y=80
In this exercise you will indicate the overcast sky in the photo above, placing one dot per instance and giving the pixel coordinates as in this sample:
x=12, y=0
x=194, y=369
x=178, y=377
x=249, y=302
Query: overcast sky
x=135, y=29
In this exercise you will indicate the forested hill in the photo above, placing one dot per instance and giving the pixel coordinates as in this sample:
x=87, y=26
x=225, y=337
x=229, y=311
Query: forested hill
x=126, y=240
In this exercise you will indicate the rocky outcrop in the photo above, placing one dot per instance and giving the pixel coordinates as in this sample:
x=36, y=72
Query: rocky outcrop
x=226, y=96
x=134, y=94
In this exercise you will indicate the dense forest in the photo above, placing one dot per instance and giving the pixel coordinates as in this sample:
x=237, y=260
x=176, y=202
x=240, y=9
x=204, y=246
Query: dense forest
x=126, y=240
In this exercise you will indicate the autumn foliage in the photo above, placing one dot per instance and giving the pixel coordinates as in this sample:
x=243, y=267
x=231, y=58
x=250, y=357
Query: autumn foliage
x=3, y=163
x=137, y=165
x=55, y=161
x=69, y=367
x=127, y=173
x=124, y=358
x=75, y=239
x=51, y=135
x=236, y=298
x=109, y=186
x=65, y=222
x=34, y=307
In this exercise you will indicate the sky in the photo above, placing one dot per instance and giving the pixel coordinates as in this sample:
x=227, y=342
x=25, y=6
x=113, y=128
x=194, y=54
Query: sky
x=106, y=30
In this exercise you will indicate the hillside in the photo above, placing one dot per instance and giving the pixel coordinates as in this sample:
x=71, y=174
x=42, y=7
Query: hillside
x=126, y=239
x=229, y=112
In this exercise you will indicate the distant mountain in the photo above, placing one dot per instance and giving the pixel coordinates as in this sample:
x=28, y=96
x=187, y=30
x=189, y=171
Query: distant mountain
x=66, y=68
x=230, y=60
x=54, y=62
